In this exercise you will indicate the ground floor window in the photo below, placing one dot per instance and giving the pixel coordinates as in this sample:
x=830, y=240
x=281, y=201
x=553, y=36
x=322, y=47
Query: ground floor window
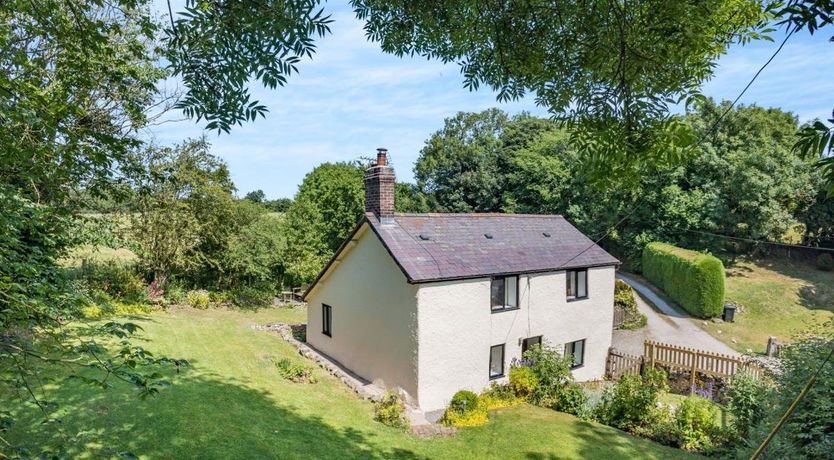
x=326, y=320
x=528, y=343
x=577, y=351
x=496, y=361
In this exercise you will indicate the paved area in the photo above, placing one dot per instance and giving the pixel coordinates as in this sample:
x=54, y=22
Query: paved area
x=665, y=324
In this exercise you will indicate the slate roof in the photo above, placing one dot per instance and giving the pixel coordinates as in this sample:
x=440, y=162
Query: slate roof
x=438, y=247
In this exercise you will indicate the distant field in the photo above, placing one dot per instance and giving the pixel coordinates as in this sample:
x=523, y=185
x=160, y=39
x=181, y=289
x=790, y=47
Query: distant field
x=780, y=297
x=97, y=253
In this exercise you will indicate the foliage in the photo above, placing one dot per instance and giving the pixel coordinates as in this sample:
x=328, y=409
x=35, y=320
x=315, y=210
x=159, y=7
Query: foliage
x=571, y=399
x=695, y=423
x=465, y=410
x=198, y=299
x=295, y=372
x=746, y=399
x=807, y=433
x=624, y=301
x=631, y=404
x=176, y=188
x=329, y=202
x=538, y=170
x=390, y=411
x=256, y=196
x=552, y=371
x=409, y=198
x=458, y=166
x=218, y=47
x=255, y=253
x=610, y=68
x=114, y=278
x=694, y=280
x=825, y=262
x=498, y=396
x=109, y=309
x=523, y=381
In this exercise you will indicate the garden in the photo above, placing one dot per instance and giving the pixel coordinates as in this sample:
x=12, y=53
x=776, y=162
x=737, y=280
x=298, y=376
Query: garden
x=236, y=400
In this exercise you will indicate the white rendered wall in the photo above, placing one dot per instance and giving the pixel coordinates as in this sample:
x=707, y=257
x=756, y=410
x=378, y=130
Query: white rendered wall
x=457, y=329
x=374, y=316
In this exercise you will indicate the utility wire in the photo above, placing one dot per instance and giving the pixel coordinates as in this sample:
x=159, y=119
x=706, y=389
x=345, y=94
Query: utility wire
x=750, y=83
x=750, y=240
x=792, y=407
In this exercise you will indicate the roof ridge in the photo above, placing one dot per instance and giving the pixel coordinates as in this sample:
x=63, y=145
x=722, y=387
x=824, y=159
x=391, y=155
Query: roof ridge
x=474, y=214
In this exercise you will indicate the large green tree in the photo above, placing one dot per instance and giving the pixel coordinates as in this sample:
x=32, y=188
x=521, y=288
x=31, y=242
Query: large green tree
x=458, y=166
x=329, y=202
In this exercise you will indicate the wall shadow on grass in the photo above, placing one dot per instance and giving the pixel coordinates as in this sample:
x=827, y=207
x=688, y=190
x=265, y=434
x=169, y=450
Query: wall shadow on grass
x=198, y=417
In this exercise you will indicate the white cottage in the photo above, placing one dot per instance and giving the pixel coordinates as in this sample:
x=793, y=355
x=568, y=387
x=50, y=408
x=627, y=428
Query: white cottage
x=436, y=303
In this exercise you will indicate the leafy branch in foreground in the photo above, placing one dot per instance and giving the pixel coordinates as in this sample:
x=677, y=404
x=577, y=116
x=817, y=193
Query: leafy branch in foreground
x=218, y=46
x=612, y=68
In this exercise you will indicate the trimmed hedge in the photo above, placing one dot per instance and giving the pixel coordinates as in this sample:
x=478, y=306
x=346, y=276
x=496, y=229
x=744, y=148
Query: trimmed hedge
x=692, y=279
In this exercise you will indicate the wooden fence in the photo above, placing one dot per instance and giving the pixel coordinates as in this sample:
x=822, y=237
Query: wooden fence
x=677, y=358
x=619, y=364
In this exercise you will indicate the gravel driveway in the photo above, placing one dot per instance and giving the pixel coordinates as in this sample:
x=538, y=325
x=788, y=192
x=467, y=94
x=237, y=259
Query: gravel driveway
x=665, y=324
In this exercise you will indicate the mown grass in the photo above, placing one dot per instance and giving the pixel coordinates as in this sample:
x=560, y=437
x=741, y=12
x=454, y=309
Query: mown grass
x=780, y=297
x=233, y=404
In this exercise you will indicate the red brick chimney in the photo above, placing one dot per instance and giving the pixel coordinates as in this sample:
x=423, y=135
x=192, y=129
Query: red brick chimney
x=379, y=186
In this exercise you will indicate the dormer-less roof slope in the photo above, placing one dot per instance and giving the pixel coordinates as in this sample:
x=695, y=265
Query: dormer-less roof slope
x=435, y=247
x=439, y=247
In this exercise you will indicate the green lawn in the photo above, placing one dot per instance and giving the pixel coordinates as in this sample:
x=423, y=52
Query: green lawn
x=780, y=297
x=233, y=404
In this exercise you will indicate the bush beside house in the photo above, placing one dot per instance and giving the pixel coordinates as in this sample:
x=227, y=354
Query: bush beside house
x=692, y=279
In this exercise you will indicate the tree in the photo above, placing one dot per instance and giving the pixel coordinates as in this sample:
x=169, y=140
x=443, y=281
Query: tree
x=612, y=68
x=184, y=194
x=329, y=203
x=77, y=79
x=256, y=196
x=279, y=204
x=458, y=166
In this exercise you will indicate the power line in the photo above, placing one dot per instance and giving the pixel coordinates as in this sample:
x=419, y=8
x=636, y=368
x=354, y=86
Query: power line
x=750, y=83
x=751, y=240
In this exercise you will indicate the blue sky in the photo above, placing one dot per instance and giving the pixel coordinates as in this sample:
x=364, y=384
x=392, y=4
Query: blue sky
x=352, y=98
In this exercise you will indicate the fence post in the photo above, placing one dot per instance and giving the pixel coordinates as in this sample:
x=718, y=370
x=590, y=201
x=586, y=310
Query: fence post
x=694, y=370
x=642, y=366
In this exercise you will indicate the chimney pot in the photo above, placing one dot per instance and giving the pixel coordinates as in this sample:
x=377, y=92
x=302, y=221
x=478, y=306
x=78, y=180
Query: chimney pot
x=381, y=156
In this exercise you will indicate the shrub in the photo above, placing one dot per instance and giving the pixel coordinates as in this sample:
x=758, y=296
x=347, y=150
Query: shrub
x=390, y=411
x=174, y=292
x=692, y=279
x=825, y=262
x=295, y=372
x=104, y=310
x=198, y=299
x=552, y=371
x=695, y=423
x=252, y=296
x=624, y=300
x=746, y=398
x=571, y=399
x=632, y=402
x=117, y=279
x=498, y=396
x=523, y=381
x=465, y=410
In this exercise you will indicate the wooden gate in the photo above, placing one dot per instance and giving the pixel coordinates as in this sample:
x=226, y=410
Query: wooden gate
x=696, y=361
x=619, y=364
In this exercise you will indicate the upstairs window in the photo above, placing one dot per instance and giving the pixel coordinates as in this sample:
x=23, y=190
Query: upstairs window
x=577, y=351
x=504, y=293
x=326, y=320
x=577, y=284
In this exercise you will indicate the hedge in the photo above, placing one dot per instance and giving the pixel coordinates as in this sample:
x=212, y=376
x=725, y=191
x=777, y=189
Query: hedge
x=692, y=279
